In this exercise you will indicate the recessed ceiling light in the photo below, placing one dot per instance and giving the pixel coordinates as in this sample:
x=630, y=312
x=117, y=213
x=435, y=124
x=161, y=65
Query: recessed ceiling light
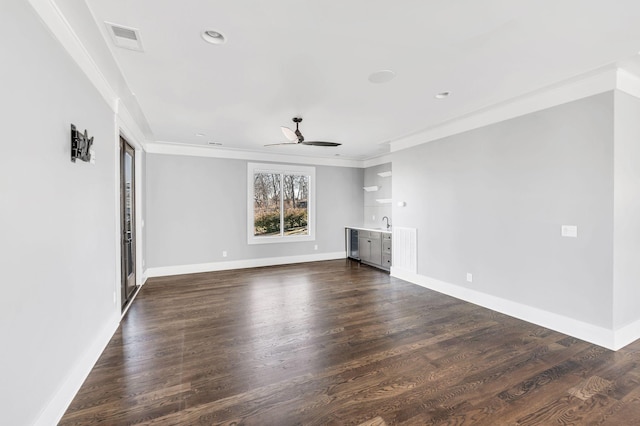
x=442, y=95
x=200, y=135
x=214, y=143
x=382, y=76
x=213, y=37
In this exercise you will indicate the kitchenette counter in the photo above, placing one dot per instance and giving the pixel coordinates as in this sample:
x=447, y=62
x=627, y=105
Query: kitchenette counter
x=369, y=245
x=364, y=228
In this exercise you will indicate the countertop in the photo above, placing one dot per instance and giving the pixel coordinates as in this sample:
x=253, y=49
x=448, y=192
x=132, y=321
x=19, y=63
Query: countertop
x=364, y=228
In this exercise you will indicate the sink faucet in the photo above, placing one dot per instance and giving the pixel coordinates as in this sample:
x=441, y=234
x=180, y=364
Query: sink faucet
x=388, y=224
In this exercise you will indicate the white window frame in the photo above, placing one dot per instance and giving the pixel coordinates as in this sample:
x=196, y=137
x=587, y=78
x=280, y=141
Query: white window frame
x=252, y=169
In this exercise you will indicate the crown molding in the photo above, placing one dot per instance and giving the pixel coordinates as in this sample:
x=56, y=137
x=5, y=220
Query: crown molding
x=628, y=83
x=376, y=161
x=53, y=19
x=170, y=148
x=576, y=88
x=62, y=30
x=128, y=127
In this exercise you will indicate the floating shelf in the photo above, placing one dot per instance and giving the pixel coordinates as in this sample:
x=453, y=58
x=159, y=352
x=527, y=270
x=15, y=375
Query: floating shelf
x=384, y=200
x=370, y=188
x=385, y=174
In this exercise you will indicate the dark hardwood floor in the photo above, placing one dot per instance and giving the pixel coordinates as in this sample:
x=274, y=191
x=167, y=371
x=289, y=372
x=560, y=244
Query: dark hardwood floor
x=337, y=343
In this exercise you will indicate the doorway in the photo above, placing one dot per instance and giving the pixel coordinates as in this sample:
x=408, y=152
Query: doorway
x=128, y=221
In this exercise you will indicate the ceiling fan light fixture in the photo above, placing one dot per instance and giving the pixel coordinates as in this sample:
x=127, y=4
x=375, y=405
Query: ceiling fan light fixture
x=213, y=37
x=289, y=134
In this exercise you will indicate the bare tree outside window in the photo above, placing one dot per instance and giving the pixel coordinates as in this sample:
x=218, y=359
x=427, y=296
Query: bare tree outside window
x=296, y=196
x=280, y=204
x=266, y=205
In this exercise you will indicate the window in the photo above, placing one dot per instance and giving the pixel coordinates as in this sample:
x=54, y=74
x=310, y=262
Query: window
x=280, y=203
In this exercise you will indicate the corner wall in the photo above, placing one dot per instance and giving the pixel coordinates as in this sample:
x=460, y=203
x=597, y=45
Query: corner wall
x=626, y=314
x=491, y=202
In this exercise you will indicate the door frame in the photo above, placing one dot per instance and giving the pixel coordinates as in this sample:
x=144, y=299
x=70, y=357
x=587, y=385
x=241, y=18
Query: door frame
x=126, y=290
x=134, y=142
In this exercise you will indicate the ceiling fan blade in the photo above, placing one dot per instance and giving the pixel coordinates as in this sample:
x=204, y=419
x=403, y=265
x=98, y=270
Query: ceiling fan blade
x=296, y=137
x=289, y=134
x=321, y=143
x=282, y=143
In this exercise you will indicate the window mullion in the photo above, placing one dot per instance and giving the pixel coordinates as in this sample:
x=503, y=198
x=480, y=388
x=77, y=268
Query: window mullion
x=282, y=204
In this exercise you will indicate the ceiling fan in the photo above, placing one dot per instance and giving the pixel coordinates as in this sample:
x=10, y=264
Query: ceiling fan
x=295, y=137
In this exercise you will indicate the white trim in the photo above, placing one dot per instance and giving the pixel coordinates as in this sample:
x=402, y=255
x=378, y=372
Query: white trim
x=628, y=82
x=557, y=94
x=164, y=271
x=236, y=154
x=282, y=169
x=60, y=401
x=626, y=335
x=134, y=139
x=139, y=220
x=116, y=215
x=572, y=89
x=591, y=333
x=376, y=161
x=54, y=19
x=128, y=126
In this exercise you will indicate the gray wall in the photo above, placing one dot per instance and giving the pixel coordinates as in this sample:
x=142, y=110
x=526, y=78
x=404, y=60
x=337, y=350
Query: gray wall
x=627, y=210
x=373, y=210
x=57, y=218
x=197, y=207
x=491, y=202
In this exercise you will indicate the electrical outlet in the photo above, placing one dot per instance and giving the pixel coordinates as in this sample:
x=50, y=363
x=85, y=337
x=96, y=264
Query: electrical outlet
x=315, y=247
x=224, y=253
x=469, y=277
x=373, y=218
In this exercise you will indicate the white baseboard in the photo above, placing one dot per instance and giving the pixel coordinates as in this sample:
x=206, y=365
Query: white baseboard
x=627, y=334
x=57, y=406
x=597, y=335
x=164, y=271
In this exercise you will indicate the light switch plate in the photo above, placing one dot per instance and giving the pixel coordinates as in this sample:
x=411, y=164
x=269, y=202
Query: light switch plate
x=469, y=277
x=569, y=231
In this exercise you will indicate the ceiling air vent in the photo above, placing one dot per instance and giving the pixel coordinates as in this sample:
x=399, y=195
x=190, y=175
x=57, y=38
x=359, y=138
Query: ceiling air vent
x=125, y=37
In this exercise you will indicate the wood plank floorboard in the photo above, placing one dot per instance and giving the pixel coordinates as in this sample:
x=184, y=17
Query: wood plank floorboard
x=339, y=343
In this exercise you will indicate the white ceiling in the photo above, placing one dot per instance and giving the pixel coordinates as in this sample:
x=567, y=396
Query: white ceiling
x=312, y=58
